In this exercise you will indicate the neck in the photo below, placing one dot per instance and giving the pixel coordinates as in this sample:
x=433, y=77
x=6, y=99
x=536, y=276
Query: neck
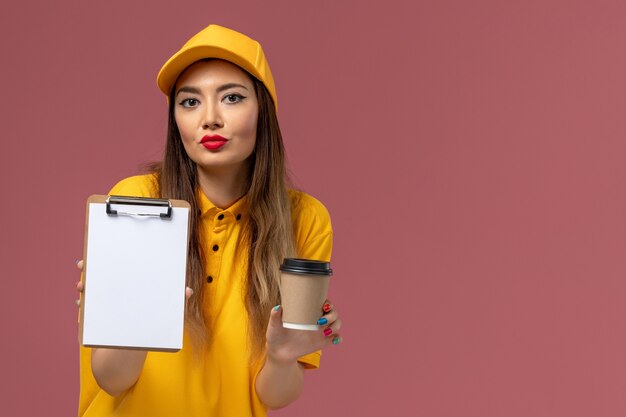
x=223, y=186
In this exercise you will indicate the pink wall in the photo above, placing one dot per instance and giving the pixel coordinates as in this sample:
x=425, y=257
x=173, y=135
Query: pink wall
x=471, y=154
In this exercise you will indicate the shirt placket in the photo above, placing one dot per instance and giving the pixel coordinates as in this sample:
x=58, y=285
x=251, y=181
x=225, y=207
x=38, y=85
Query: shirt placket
x=217, y=245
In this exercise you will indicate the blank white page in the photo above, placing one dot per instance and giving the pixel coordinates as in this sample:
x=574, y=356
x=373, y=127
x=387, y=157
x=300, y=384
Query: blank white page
x=135, y=270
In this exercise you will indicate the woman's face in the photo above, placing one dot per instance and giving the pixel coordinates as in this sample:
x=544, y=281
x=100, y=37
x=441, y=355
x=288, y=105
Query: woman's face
x=216, y=111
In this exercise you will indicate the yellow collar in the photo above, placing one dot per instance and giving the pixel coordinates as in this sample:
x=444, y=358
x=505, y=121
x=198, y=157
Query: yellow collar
x=238, y=209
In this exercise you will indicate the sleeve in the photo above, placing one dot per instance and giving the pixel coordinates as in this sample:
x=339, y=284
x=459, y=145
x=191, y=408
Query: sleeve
x=314, y=240
x=137, y=186
x=312, y=228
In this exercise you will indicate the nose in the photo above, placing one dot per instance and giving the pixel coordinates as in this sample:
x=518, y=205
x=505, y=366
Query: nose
x=212, y=117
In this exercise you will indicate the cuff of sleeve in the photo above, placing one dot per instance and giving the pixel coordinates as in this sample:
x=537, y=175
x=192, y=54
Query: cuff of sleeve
x=311, y=361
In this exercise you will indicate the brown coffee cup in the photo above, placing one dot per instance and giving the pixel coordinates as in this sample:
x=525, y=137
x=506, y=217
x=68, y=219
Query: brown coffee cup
x=303, y=290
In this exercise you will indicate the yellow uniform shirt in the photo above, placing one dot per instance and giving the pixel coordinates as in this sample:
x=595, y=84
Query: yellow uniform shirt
x=220, y=382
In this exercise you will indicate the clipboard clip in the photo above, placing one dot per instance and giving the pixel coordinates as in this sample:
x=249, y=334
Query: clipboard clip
x=139, y=201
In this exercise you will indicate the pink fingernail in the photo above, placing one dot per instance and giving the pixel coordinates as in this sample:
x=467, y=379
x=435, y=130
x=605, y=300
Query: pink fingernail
x=328, y=331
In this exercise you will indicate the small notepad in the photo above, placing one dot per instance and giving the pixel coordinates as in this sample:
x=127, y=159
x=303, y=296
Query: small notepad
x=134, y=273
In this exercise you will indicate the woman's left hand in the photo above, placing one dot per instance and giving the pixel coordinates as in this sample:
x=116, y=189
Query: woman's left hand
x=287, y=345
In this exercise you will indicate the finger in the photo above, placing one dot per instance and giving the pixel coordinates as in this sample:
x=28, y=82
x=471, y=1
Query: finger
x=79, y=264
x=328, y=318
x=78, y=302
x=276, y=316
x=188, y=292
x=333, y=328
x=337, y=339
x=79, y=286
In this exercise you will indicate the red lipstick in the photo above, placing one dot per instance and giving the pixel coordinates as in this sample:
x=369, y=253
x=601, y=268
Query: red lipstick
x=213, y=142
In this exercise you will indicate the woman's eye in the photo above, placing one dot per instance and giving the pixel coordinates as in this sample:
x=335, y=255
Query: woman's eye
x=233, y=98
x=189, y=102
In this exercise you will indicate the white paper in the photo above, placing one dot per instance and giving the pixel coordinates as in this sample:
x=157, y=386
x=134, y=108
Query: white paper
x=134, y=292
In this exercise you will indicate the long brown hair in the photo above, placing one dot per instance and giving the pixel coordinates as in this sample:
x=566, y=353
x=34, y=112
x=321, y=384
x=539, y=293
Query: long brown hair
x=268, y=231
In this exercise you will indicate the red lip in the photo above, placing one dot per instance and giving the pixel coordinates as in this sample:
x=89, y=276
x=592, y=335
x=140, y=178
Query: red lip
x=213, y=142
x=213, y=138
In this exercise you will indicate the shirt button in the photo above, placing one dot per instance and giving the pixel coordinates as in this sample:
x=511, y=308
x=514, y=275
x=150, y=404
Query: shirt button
x=209, y=279
x=215, y=248
x=239, y=217
x=220, y=217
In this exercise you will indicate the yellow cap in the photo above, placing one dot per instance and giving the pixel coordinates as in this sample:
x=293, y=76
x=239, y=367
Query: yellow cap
x=219, y=42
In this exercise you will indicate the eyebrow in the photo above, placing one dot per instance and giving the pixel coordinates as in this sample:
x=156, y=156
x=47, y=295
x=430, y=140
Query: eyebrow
x=194, y=90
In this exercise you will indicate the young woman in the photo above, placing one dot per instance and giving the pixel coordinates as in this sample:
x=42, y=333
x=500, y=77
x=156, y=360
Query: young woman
x=224, y=154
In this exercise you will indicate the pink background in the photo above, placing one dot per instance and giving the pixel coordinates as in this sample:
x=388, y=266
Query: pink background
x=471, y=154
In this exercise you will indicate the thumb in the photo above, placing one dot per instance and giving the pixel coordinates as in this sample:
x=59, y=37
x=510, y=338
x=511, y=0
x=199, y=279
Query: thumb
x=276, y=316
